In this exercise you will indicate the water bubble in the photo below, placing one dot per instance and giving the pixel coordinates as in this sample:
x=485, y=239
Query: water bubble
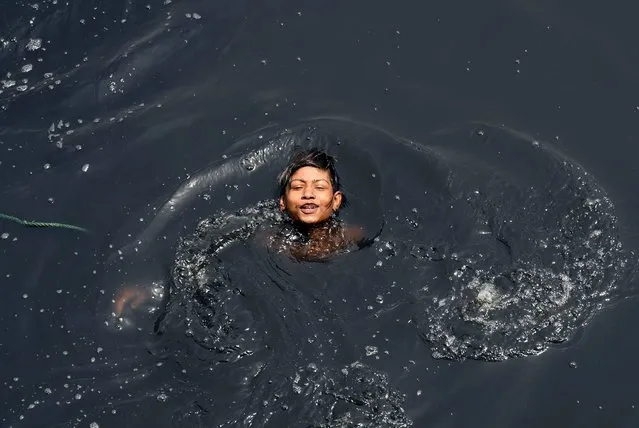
x=428, y=253
x=85, y=167
x=487, y=294
x=162, y=397
x=379, y=299
x=247, y=164
x=5, y=235
x=370, y=350
x=573, y=364
x=34, y=44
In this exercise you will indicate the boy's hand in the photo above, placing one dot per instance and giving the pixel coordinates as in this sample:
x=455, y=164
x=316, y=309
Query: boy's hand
x=130, y=297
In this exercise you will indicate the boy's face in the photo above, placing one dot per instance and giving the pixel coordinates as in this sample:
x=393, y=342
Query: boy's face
x=309, y=196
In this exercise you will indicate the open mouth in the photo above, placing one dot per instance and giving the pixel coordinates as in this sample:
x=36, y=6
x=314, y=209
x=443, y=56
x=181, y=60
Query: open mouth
x=309, y=208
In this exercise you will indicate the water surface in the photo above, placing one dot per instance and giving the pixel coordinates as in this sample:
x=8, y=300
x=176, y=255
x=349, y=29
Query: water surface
x=486, y=150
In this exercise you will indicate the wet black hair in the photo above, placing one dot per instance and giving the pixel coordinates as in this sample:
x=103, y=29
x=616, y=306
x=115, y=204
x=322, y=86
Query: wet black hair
x=314, y=157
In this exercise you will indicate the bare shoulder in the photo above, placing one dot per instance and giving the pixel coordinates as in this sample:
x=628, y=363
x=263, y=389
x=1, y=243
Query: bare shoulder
x=354, y=233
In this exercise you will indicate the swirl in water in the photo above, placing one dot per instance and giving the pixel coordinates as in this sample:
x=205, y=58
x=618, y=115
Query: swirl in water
x=502, y=246
x=540, y=256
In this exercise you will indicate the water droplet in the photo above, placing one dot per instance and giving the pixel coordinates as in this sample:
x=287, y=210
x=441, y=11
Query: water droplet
x=85, y=167
x=247, y=164
x=573, y=364
x=379, y=299
x=370, y=350
x=34, y=44
x=162, y=397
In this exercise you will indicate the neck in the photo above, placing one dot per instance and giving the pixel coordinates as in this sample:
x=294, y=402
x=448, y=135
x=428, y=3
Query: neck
x=312, y=230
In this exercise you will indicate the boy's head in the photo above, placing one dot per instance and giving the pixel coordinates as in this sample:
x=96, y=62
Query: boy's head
x=309, y=187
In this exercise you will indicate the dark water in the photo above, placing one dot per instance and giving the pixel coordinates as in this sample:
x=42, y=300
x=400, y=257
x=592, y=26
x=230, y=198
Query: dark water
x=487, y=149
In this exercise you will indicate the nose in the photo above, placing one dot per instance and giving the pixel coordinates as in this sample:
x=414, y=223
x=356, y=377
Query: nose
x=308, y=193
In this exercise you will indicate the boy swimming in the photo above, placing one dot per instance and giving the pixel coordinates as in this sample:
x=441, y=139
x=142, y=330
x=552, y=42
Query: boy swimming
x=310, y=195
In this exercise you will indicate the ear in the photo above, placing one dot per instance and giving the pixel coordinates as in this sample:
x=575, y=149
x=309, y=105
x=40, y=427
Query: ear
x=337, y=200
x=282, y=204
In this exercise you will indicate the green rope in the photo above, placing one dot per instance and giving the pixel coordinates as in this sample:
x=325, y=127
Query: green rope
x=30, y=223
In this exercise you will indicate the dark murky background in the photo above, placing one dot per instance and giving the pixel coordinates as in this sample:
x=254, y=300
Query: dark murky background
x=112, y=108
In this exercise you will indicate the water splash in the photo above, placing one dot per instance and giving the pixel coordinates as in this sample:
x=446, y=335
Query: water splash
x=543, y=257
